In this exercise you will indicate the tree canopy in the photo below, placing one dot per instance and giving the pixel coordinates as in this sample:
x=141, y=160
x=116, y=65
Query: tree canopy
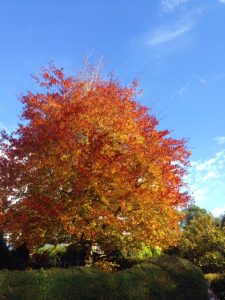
x=192, y=212
x=203, y=240
x=88, y=162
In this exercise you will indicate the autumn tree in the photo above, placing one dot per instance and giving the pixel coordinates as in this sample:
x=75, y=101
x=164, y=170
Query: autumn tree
x=88, y=163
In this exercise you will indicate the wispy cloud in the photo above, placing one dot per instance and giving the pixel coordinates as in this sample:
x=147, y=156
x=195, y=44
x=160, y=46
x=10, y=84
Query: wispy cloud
x=172, y=35
x=182, y=89
x=165, y=34
x=169, y=5
x=207, y=181
x=220, y=139
x=203, y=80
x=185, y=87
x=222, y=1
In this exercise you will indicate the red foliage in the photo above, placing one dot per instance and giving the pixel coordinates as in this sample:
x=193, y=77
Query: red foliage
x=89, y=161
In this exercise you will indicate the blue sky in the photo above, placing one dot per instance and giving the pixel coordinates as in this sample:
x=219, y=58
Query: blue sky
x=175, y=48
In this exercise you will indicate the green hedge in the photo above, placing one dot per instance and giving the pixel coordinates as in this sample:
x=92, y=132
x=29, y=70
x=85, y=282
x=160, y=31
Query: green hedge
x=163, y=278
x=217, y=284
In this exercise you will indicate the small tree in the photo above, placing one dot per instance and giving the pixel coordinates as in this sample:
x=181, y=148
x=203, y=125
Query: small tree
x=203, y=242
x=88, y=164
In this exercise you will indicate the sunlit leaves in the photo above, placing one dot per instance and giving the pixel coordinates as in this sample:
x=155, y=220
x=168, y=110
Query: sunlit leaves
x=203, y=240
x=90, y=162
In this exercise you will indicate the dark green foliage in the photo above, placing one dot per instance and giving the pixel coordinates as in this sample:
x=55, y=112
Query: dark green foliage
x=187, y=277
x=60, y=255
x=20, y=257
x=72, y=256
x=222, y=220
x=218, y=288
x=63, y=255
x=40, y=260
x=49, y=256
x=217, y=284
x=17, y=259
x=192, y=212
x=164, y=279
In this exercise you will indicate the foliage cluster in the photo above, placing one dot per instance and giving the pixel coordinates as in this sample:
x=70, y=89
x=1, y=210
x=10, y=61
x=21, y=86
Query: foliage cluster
x=165, y=278
x=65, y=256
x=146, y=252
x=203, y=240
x=57, y=256
x=89, y=164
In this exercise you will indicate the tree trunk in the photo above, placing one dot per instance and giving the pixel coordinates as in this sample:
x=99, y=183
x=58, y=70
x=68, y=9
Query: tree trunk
x=87, y=252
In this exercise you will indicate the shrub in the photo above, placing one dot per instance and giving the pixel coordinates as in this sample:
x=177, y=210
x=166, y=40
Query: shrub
x=73, y=256
x=189, y=279
x=40, y=260
x=166, y=278
x=20, y=257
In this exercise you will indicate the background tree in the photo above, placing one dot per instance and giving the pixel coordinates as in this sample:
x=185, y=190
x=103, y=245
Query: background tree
x=191, y=212
x=222, y=220
x=89, y=164
x=203, y=241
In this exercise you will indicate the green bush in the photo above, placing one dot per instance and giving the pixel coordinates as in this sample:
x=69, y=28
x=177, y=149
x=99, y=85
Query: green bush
x=188, y=278
x=146, y=252
x=163, y=278
x=217, y=284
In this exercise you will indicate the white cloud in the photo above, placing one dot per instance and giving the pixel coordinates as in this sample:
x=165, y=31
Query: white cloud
x=210, y=175
x=205, y=80
x=162, y=35
x=218, y=211
x=206, y=181
x=207, y=164
x=202, y=80
x=170, y=5
x=198, y=194
x=220, y=139
x=222, y=1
